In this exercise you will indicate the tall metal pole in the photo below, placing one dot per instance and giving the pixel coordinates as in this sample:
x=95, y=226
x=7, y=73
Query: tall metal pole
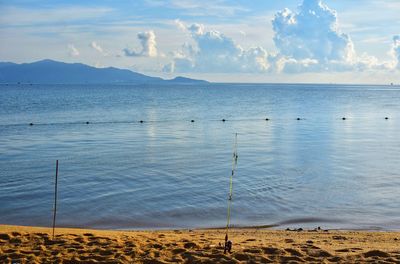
x=55, y=199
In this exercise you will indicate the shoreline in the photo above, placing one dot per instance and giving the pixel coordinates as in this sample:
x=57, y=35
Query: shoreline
x=272, y=227
x=26, y=244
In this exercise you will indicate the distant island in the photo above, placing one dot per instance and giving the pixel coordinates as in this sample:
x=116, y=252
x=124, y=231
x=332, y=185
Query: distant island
x=55, y=72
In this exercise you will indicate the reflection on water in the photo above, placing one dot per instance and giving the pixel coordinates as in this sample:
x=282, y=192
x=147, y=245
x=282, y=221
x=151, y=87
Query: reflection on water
x=169, y=172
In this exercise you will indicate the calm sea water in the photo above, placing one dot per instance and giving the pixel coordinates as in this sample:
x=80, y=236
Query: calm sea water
x=168, y=172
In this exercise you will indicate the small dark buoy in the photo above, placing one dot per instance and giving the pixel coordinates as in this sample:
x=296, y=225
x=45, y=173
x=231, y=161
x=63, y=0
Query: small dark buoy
x=141, y=121
x=298, y=118
x=192, y=121
x=343, y=118
x=386, y=118
x=266, y=119
x=31, y=124
x=87, y=122
x=223, y=120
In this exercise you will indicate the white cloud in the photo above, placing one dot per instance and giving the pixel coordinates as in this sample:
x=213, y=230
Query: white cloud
x=214, y=52
x=149, y=45
x=72, y=50
x=312, y=34
x=98, y=48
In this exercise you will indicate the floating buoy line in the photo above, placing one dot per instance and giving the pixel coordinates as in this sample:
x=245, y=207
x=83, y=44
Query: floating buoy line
x=223, y=120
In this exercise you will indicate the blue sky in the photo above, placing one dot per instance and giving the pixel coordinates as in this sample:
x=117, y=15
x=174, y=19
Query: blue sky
x=349, y=41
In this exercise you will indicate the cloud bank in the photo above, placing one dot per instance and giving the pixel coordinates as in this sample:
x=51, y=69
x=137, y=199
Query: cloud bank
x=149, y=45
x=308, y=40
x=214, y=52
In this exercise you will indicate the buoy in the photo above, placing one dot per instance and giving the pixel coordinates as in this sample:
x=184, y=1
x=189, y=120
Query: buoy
x=386, y=118
x=31, y=124
x=266, y=119
x=192, y=121
x=343, y=118
x=87, y=122
x=298, y=118
x=223, y=120
x=141, y=121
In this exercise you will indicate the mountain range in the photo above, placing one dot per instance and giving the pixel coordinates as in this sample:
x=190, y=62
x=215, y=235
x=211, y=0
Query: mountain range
x=55, y=72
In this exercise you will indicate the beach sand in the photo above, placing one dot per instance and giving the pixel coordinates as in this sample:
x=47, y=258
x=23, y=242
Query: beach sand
x=19, y=244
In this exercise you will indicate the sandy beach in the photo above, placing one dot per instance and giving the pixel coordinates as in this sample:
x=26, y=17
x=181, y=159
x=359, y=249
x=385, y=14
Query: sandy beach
x=20, y=244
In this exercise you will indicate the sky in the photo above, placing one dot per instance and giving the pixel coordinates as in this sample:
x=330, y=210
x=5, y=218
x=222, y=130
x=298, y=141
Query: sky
x=301, y=41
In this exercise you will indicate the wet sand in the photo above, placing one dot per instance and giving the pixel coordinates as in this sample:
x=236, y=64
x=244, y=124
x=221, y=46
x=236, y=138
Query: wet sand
x=35, y=245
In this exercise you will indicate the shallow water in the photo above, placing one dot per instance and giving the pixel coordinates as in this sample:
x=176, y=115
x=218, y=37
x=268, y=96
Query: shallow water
x=168, y=172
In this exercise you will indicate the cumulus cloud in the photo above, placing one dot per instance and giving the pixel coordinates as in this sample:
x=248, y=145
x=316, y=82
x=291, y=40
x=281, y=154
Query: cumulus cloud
x=98, y=48
x=307, y=40
x=149, y=45
x=72, y=50
x=312, y=34
x=396, y=50
x=214, y=52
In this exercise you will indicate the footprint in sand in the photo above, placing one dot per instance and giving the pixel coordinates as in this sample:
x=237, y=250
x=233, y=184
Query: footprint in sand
x=288, y=240
x=344, y=250
x=252, y=250
x=190, y=245
x=272, y=251
x=294, y=252
x=178, y=250
x=319, y=253
x=5, y=237
x=376, y=253
x=339, y=238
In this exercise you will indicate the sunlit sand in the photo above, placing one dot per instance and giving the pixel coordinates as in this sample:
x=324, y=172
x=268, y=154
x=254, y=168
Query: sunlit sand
x=35, y=245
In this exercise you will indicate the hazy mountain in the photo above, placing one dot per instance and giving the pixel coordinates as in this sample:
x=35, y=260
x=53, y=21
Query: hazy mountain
x=49, y=71
x=184, y=80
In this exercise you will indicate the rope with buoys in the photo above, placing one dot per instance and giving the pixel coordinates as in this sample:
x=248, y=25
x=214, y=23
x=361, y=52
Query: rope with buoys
x=228, y=243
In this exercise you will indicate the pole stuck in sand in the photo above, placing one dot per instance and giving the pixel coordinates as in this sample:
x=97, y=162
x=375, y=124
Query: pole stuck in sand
x=55, y=199
x=228, y=243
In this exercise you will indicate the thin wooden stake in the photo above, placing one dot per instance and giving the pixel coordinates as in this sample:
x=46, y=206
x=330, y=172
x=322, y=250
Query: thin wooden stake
x=55, y=199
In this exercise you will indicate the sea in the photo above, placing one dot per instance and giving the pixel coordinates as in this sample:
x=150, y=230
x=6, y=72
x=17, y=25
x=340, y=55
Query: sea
x=160, y=156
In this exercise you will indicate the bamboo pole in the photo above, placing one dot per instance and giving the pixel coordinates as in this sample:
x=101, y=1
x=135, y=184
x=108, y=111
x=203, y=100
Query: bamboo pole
x=55, y=199
x=228, y=243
